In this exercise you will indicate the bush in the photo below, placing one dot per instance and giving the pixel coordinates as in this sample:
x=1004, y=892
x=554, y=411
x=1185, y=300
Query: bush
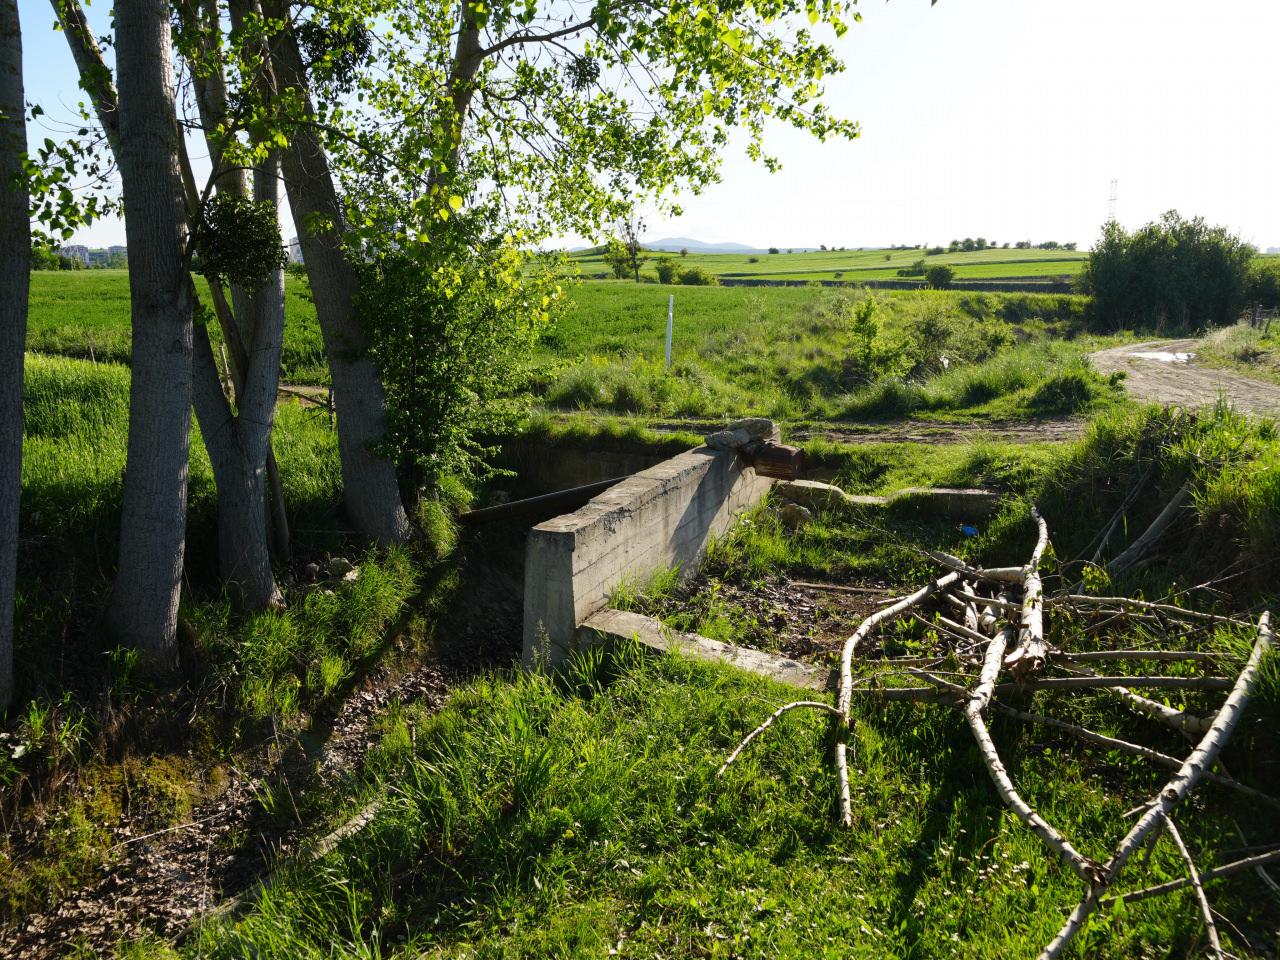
x=1263, y=284
x=698, y=277
x=773, y=250
x=753, y=259
x=939, y=276
x=1176, y=272
x=666, y=268
x=917, y=269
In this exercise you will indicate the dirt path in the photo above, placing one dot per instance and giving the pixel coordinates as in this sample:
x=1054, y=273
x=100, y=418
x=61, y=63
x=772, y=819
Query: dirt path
x=907, y=431
x=1165, y=371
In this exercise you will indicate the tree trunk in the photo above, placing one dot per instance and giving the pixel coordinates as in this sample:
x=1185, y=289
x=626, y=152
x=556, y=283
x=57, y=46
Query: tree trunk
x=239, y=471
x=264, y=361
x=369, y=482
x=144, y=605
x=15, y=275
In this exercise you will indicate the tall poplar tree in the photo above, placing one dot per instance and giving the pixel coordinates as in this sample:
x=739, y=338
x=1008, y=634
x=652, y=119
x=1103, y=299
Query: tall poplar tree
x=15, y=274
x=144, y=604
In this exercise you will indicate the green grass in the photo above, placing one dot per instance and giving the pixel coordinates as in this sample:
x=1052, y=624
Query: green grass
x=266, y=671
x=789, y=353
x=1255, y=353
x=861, y=264
x=804, y=353
x=85, y=313
x=529, y=820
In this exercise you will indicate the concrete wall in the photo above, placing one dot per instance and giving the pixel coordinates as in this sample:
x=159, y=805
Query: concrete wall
x=663, y=516
x=543, y=468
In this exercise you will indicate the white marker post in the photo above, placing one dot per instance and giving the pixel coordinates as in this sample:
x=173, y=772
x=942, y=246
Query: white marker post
x=671, y=311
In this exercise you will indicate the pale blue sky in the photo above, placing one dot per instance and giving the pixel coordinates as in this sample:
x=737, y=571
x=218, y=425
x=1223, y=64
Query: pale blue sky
x=1001, y=118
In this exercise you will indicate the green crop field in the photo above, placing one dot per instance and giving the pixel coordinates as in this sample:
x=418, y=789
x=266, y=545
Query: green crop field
x=853, y=265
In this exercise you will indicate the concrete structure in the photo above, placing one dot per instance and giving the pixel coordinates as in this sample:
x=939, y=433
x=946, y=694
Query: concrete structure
x=620, y=626
x=75, y=251
x=941, y=502
x=661, y=517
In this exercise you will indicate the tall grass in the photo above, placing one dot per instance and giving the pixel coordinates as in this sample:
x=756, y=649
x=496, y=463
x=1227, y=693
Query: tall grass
x=791, y=353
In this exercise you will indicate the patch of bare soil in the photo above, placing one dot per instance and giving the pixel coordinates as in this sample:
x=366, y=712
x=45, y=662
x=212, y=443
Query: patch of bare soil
x=1055, y=430
x=1160, y=371
x=798, y=619
x=164, y=882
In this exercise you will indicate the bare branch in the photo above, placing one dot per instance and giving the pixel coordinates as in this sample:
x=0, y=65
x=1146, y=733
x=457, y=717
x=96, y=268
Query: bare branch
x=811, y=704
x=1205, y=910
x=1182, y=782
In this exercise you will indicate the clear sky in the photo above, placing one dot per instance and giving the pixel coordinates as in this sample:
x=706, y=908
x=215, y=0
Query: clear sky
x=1006, y=119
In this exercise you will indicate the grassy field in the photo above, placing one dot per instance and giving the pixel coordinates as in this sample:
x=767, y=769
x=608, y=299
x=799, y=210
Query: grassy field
x=85, y=313
x=585, y=819
x=787, y=352
x=1253, y=352
x=851, y=265
x=819, y=353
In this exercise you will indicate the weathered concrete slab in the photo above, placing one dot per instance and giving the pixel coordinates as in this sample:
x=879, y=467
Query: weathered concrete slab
x=824, y=496
x=618, y=625
x=944, y=502
x=659, y=518
x=949, y=503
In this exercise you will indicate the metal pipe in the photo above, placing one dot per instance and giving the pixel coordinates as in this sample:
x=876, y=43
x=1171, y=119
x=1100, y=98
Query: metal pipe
x=558, y=501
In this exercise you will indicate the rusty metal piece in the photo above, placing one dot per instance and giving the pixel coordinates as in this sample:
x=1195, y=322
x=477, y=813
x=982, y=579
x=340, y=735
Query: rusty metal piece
x=779, y=461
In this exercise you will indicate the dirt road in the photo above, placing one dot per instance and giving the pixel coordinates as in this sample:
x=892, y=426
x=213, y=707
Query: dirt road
x=1165, y=371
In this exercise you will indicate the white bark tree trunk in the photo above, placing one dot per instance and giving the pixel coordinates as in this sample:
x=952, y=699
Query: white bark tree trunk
x=144, y=604
x=15, y=276
x=370, y=487
x=238, y=443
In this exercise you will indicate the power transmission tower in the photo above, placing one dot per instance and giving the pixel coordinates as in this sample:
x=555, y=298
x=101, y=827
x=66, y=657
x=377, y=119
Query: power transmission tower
x=1111, y=200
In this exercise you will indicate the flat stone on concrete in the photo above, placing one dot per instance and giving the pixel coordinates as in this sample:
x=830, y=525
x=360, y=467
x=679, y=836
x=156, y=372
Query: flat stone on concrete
x=612, y=626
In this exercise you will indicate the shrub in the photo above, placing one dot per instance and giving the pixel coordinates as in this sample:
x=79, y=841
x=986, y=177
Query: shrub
x=666, y=268
x=698, y=277
x=1066, y=392
x=1184, y=273
x=939, y=276
x=1263, y=284
x=753, y=259
x=917, y=269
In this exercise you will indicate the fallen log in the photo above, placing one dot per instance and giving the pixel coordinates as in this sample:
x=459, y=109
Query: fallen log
x=1168, y=608
x=1194, y=876
x=1086, y=869
x=1137, y=749
x=993, y=574
x=1139, y=549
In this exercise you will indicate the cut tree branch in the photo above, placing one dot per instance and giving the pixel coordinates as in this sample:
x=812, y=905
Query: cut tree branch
x=1182, y=782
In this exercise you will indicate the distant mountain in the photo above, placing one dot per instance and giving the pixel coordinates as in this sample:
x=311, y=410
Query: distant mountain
x=676, y=244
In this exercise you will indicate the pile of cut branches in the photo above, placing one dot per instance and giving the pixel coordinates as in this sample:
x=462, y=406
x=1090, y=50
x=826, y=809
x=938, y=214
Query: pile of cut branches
x=992, y=623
